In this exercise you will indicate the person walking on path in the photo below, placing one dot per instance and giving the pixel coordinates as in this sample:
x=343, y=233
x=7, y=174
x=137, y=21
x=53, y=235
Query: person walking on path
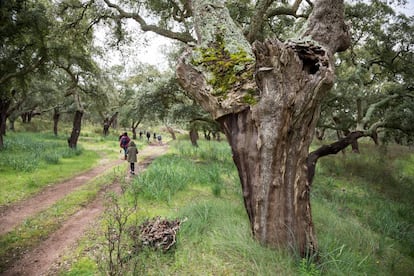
x=123, y=143
x=132, y=156
x=148, y=135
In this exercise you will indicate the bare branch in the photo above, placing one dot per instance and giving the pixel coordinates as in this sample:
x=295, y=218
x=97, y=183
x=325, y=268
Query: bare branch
x=257, y=21
x=333, y=148
x=183, y=37
x=286, y=10
x=372, y=108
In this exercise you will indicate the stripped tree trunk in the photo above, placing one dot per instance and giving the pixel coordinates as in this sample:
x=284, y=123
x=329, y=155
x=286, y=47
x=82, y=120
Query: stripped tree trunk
x=267, y=99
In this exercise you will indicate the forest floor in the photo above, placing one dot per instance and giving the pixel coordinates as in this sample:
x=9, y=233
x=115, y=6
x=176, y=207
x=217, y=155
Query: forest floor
x=42, y=259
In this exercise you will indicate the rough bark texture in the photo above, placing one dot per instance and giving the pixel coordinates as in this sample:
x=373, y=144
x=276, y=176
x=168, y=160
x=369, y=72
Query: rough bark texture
x=326, y=26
x=76, y=129
x=269, y=119
x=270, y=143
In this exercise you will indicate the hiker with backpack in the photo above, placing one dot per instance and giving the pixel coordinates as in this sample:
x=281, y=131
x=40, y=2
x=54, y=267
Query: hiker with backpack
x=123, y=143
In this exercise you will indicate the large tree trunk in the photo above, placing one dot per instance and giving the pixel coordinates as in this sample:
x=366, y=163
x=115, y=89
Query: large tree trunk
x=76, y=129
x=268, y=111
x=270, y=143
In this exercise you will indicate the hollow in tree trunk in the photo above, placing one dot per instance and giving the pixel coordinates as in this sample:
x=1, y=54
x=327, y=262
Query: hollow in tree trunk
x=268, y=110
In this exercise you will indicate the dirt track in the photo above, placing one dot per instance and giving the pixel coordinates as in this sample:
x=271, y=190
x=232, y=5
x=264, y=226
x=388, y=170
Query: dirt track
x=40, y=260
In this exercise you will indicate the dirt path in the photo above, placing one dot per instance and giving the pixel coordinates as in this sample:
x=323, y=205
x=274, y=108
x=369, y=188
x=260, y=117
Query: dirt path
x=39, y=260
x=15, y=214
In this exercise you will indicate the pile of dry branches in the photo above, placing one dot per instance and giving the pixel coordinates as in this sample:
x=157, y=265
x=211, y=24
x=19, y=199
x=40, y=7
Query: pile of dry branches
x=159, y=233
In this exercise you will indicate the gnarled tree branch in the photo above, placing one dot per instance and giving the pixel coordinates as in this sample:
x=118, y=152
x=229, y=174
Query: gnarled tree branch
x=180, y=36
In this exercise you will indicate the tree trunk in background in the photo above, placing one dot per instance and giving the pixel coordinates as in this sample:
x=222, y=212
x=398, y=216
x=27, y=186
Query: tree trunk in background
x=171, y=132
x=194, y=137
x=105, y=128
x=320, y=134
x=76, y=129
x=11, y=126
x=4, y=106
x=269, y=118
x=24, y=117
x=56, y=116
x=108, y=122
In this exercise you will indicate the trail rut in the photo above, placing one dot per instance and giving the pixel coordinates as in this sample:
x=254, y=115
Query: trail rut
x=39, y=260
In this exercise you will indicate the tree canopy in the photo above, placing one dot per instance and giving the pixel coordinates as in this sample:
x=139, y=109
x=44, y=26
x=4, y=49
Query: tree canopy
x=263, y=71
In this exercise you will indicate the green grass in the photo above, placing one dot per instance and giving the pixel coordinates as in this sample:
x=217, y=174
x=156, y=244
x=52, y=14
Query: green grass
x=50, y=161
x=362, y=206
x=362, y=227
x=31, y=161
x=34, y=229
x=362, y=209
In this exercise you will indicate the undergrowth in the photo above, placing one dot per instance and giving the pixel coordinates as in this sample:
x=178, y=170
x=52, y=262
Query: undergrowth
x=362, y=209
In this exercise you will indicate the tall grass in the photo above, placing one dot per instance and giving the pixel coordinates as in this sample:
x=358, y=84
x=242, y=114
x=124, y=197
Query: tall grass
x=363, y=207
x=188, y=166
x=26, y=152
x=29, y=161
x=362, y=227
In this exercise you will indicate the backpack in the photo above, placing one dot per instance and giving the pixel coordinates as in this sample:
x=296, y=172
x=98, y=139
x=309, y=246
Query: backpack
x=124, y=141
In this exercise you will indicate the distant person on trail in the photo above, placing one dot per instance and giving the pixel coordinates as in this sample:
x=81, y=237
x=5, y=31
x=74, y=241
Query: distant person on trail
x=123, y=143
x=159, y=139
x=132, y=156
x=148, y=135
x=155, y=136
x=140, y=135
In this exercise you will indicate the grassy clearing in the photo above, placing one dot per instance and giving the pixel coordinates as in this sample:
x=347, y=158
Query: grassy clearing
x=362, y=208
x=30, y=161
